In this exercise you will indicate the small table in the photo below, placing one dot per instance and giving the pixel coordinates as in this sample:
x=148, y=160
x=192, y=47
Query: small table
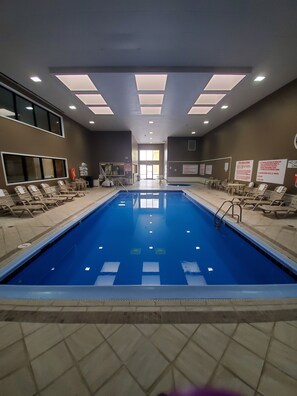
x=233, y=187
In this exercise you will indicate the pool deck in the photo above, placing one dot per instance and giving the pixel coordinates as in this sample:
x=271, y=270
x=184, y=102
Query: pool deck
x=126, y=347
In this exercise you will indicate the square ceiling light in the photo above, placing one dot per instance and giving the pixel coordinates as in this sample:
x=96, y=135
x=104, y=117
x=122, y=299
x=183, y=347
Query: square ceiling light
x=209, y=99
x=77, y=82
x=223, y=82
x=150, y=110
x=151, y=99
x=101, y=110
x=91, y=99
x=151, y=82
x=200, y=109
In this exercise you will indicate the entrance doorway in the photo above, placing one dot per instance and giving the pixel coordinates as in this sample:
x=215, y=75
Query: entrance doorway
x=149, y=171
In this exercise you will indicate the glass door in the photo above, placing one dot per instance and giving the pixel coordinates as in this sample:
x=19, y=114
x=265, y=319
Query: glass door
x=148, y=172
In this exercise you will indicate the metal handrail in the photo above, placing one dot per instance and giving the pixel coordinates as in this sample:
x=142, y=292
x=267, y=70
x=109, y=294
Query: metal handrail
x=231, y=206
x=120, y=183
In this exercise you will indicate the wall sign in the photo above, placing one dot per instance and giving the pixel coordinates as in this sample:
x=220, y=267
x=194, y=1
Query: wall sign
x=272, y=171
x=202, y=170
x=295, y=141
x=243, y=170
x=208, y=169
x=190, y=169
x=292, y=164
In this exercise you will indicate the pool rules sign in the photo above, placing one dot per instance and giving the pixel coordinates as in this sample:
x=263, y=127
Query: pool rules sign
x=272, y=171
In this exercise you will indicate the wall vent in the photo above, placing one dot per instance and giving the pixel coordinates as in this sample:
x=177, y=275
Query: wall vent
x=191, y=145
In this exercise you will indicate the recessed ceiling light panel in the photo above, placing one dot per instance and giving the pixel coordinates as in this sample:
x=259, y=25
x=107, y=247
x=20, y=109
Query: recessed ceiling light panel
x=224, y=107
x=35, y=79
x=223, y=82
x=91, y=99
x=259, y=78
x=151, y=99
x=150, y=110
x=200, y=109
x=205, y=122
x=72, y=107
x=151, y=82
x=77, y=82
x=91, y=122
x=105, y=110
x=209, y=99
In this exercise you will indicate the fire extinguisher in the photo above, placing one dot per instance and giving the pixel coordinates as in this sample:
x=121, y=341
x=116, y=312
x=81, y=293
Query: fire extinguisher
x=295, y=179
x=72, y=174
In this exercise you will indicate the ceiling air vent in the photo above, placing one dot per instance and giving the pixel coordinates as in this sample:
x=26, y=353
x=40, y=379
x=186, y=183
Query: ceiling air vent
x=191, y=145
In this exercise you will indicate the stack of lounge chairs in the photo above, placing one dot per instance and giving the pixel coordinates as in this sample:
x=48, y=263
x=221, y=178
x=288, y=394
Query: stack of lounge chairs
x=32, y=199
x=8, y=205
x=281, y=209
x=276, y=198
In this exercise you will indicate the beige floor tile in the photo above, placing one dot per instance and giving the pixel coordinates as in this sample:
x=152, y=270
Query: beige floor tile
x=283, y=357
x=181, y=383
x=10, y=334
x=146, y=364
x=252, y=339
x=195, y=364
x=69, y=383
x=108, y=329
x=51, y=364
x=84, y=340
x=20, y=383
x=99, y=366
x=12, y=358
x=121, y=384
x=286, y=333
x=125, y=341
x=226, y=328
x=243, y=363
x=187, y=329
x=165, y=384
x=224, y=379
x=266, y=327
x=212, y=340
x=169, y=341
x=29, y=328
x=148, y=329
x=42, y=339
x=275, y=382
x=67, y=329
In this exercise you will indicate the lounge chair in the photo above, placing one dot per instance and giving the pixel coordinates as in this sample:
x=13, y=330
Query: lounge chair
x=276, y=198
x=37, y=194
x=285, y=210
x=64, y=189
x=26, y=198
x=258, y=194
x=8, y=204
x=50, y=193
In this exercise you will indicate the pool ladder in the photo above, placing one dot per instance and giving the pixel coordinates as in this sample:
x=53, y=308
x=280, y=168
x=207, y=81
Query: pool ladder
x=218, y=220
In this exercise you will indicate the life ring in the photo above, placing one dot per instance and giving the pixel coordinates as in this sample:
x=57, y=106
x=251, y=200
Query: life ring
x=72, y=174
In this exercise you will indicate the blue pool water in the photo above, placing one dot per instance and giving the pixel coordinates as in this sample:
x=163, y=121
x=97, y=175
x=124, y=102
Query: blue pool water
x=150, y=238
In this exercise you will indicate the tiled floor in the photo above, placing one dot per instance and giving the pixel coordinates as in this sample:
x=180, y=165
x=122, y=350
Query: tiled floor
x=143, y=348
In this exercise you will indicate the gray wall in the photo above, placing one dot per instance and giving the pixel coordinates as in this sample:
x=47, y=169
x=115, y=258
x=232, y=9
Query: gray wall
x=265, y=131
x=109, y=147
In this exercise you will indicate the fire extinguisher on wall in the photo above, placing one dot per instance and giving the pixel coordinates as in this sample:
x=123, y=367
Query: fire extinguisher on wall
x=72, y=174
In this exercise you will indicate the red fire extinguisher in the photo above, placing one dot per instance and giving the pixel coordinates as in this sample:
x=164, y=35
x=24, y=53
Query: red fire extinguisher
x=72, y=174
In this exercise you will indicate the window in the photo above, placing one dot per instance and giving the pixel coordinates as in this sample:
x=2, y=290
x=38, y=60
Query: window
x=26, y=168
x=24, y=110
x=6, y=103
x=41, y=118
x=48, y=168
x=149, y=155
x=14, y=168
x=33, y=168
x=15, y=106
x=60, y=168
x=55, y=124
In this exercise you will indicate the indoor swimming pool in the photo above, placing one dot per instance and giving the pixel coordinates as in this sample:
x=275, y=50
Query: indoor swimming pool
x=150, y=239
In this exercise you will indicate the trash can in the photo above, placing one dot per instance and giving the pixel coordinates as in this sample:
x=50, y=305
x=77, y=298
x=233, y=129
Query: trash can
x=90, y=180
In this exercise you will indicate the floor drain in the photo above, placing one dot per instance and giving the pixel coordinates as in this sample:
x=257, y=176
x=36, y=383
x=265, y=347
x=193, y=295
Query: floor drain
x=24, y=245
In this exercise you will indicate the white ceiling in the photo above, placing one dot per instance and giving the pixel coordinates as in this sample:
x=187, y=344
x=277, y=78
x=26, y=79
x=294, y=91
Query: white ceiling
x=112, y=41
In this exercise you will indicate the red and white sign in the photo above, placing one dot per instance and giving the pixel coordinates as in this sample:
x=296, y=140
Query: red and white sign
x=243, y=170
x=190, y=169
x=208, y=169
x=272, y=171
x=202, y=170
